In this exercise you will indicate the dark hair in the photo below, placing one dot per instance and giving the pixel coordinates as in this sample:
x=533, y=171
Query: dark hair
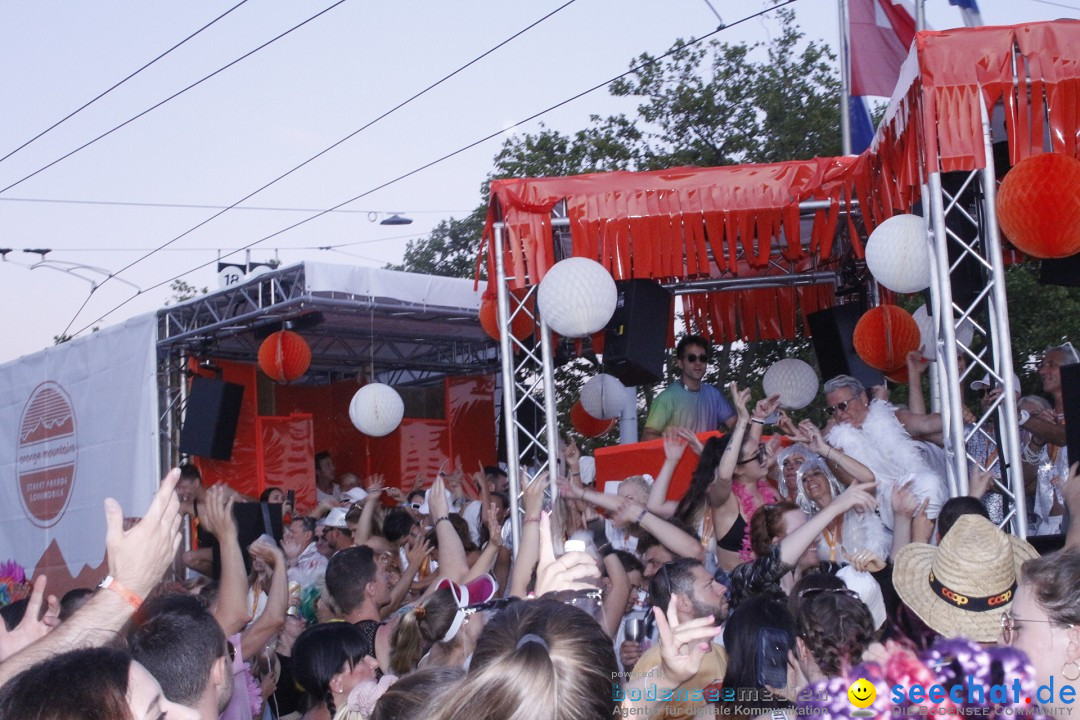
x=673, y=578
x=957, y=506
x=73, y=600
x=808, y=583
x=413, y=696
x=836, y=627
x=703, y=475
x=397, y=524
x=320, y=456
x=414, y=493
x=178, y=642
x=629, y=562
x=89, y=684
x=461, y=527
x=307, y=521
x=13, y=613
x=688, y=340
x=190, y=472
x=1055, y=580
x=482, y=533
x=420, y=628
x=265, y=496
x=321, y=651
x=742, y=640
x=494, y=470
x=348, y=574
x=767, y=523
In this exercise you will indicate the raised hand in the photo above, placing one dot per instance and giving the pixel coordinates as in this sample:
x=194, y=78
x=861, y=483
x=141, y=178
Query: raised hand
x=813, y=438
x=569, y=490
x=767, y=406
x=217, y=515
x=917, y=363
x=31, y=628
x=674, y=444
x=139, y=557
x=491, y=519
x=692, y=440
x=416, y=553
x=979, y=482
x=904, y=502
x=534, y=494
x=682, y=646
x=922, y=527
x=739, y=399
x=628, y=512
x=269, y=554
x=436, y=496
x=787, y=427
x=865, y=561
x=858, y=496
x=566, y=572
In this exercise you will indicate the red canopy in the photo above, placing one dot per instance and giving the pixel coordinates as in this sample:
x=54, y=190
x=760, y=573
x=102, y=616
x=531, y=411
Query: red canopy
x=687, y=224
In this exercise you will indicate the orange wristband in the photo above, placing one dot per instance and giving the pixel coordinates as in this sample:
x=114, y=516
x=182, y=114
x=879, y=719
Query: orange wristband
x=111, y=583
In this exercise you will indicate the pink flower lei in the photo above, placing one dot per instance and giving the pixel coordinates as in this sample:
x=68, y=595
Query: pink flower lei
x=747, y=507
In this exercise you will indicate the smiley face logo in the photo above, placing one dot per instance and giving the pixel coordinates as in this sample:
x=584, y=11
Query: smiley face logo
x=862, y=693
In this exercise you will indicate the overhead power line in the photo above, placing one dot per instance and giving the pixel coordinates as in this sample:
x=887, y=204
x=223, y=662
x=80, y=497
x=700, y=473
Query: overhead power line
x=82, y=107
x=171, y=97
x=182, y=206
x=632, y=70
x=327, y=149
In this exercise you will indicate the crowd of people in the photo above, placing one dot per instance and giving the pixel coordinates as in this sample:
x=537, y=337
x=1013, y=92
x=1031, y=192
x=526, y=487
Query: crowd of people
x=792, y=570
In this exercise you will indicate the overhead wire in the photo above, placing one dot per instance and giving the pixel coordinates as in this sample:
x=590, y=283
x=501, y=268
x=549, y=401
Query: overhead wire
x=445, y=157
x=193, y=206
x=327, y=149
x=172, y=97
x=93, y=100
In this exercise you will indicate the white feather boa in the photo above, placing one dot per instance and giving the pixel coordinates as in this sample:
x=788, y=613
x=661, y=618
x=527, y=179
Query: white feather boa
x=883, y=445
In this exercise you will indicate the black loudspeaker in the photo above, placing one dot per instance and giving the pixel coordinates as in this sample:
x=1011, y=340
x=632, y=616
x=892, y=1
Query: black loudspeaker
x=636, y=338
x=213, y=408
x=1070, y=396
x=1064, y=272
x=834, y=345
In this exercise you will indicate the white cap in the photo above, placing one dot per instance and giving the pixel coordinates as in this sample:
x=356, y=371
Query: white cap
x=425, y=509
x=335, y=519
x=868, y=589
x=587, y=468
x=353, y=495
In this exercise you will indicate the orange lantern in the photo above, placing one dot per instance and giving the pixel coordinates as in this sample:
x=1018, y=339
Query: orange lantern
x=899, y=376
x=1038, y=206
x=586, y=424
x=284, y=356
x=521, y=326
x=884, y=336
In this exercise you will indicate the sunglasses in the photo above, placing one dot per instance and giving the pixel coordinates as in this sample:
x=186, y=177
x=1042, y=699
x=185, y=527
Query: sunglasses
x=692, y=358
x=416, y=506
x=839, y=407
x=809, y=592
x=759, y=456
x=231, y=649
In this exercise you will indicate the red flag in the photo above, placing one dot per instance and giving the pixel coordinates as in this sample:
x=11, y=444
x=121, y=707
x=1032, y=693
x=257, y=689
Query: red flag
x=880, y=35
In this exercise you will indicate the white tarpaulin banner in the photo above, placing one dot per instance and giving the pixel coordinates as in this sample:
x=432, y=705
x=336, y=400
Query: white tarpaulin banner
x=78, y=424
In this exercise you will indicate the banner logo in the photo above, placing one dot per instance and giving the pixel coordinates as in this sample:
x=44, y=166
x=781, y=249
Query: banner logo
x=46, y=454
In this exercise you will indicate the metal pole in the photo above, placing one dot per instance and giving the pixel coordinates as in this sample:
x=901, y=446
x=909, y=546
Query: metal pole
x=628, y=420
x=845, y=80
x=507, y=352
x=551, y=413
x=949, y=375
x=1009, y=457
x=920, y=15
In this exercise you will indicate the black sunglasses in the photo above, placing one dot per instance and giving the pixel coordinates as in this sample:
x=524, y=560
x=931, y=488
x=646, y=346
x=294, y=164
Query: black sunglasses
x=759, y=456
x=838, y=407
x=691, y=357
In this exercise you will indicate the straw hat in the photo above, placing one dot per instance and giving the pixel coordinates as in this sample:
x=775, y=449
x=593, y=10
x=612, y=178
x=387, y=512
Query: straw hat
x=962, y=587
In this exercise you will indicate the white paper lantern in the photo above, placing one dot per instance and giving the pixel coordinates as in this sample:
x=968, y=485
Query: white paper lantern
x=898, y=254
x=577, y=297
x=603, y=396
x=793, y=380
x=928, y=332
x=376, y=409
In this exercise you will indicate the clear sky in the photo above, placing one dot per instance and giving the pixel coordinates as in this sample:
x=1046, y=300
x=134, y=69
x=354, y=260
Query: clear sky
x=250, y=123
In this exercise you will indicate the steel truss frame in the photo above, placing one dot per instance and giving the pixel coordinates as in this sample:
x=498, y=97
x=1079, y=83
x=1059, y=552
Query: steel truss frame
x=400, y=339
x=988, y=314
x=528, y=368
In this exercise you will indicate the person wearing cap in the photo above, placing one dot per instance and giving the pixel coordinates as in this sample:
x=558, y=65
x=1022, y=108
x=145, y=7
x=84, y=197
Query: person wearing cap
x=962, y=587
x=336, y=529
x=983, y=448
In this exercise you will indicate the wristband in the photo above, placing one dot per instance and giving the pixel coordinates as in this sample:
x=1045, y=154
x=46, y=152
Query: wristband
x=533, y=519
x=132, y=598
x=439, y=520
x=756, y=421
x=644, y=512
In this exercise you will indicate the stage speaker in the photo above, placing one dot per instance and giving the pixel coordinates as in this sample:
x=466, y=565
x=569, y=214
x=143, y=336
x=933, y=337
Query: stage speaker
x=213, y=409
x=636, y=338
x=1070, y=395
x=1064, y=272
x=834, y=344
